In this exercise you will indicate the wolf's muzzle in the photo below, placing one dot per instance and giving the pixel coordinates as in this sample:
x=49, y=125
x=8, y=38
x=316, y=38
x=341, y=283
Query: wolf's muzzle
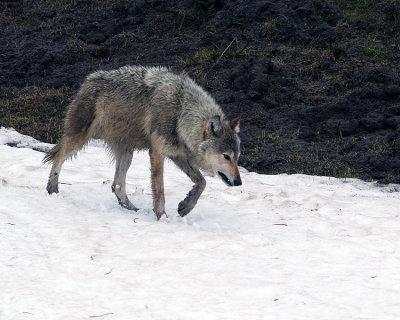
x=225, y=178
x=236, y=182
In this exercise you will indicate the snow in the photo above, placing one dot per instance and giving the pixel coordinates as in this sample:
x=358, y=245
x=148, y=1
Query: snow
x=278, y=247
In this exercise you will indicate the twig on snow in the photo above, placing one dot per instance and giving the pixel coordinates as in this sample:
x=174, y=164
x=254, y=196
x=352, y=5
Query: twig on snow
x=101, y=315
x=107, y=273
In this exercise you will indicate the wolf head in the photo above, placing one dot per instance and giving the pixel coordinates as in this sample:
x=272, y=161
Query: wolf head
x=220, y=150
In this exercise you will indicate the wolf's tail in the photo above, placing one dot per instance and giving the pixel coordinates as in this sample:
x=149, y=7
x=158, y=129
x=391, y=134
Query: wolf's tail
x=50, y=156
x=80, y=115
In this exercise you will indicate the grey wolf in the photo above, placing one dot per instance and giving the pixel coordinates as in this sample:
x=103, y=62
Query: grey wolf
x=136, y=108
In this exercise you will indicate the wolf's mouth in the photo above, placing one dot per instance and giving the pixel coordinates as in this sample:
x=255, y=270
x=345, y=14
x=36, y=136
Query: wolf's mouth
x=225, y=178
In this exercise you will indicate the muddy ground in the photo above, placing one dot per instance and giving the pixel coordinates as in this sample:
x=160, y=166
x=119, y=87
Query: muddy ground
x=315, y=83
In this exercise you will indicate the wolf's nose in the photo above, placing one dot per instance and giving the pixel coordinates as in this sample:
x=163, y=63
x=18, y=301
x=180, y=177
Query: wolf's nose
x=237, y=182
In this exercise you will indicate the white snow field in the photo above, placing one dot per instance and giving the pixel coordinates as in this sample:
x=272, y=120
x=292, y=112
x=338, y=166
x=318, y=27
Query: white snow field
x=278, y=247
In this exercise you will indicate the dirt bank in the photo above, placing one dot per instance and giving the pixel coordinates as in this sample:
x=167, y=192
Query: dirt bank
x=316, y=84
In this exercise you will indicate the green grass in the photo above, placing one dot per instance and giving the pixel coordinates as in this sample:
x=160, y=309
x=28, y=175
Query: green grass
x=374, y=49
x=205, y=55
x=35, y=111
x=316, y=160
x=372, y=13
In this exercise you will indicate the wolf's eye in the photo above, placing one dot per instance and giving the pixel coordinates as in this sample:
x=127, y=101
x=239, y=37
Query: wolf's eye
x=227, y=157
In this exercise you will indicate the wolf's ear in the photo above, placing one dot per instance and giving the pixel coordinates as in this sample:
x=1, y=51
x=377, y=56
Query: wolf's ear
x=214, y=128
x=235, y=124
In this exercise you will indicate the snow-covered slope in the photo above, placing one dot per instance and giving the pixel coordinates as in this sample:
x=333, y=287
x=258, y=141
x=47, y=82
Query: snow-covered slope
x=278, y=247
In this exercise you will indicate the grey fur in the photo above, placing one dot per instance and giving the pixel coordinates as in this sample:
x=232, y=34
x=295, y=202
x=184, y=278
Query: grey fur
x=135, y=108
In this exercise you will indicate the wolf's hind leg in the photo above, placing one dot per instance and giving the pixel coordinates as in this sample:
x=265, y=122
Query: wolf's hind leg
x=123, y=161
x=67, y=147
x=186, y=205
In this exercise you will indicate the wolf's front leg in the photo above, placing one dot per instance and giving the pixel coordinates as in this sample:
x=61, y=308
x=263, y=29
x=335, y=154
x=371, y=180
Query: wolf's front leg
x=186, y=205
x=157, y=182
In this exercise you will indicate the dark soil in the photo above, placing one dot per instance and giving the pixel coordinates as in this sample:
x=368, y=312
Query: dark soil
x=315, y=83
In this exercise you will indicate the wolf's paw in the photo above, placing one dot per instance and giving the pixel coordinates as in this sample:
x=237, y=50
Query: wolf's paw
x=184, y=208
x=128, y=205
x=52, y=188
x=160, y=214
